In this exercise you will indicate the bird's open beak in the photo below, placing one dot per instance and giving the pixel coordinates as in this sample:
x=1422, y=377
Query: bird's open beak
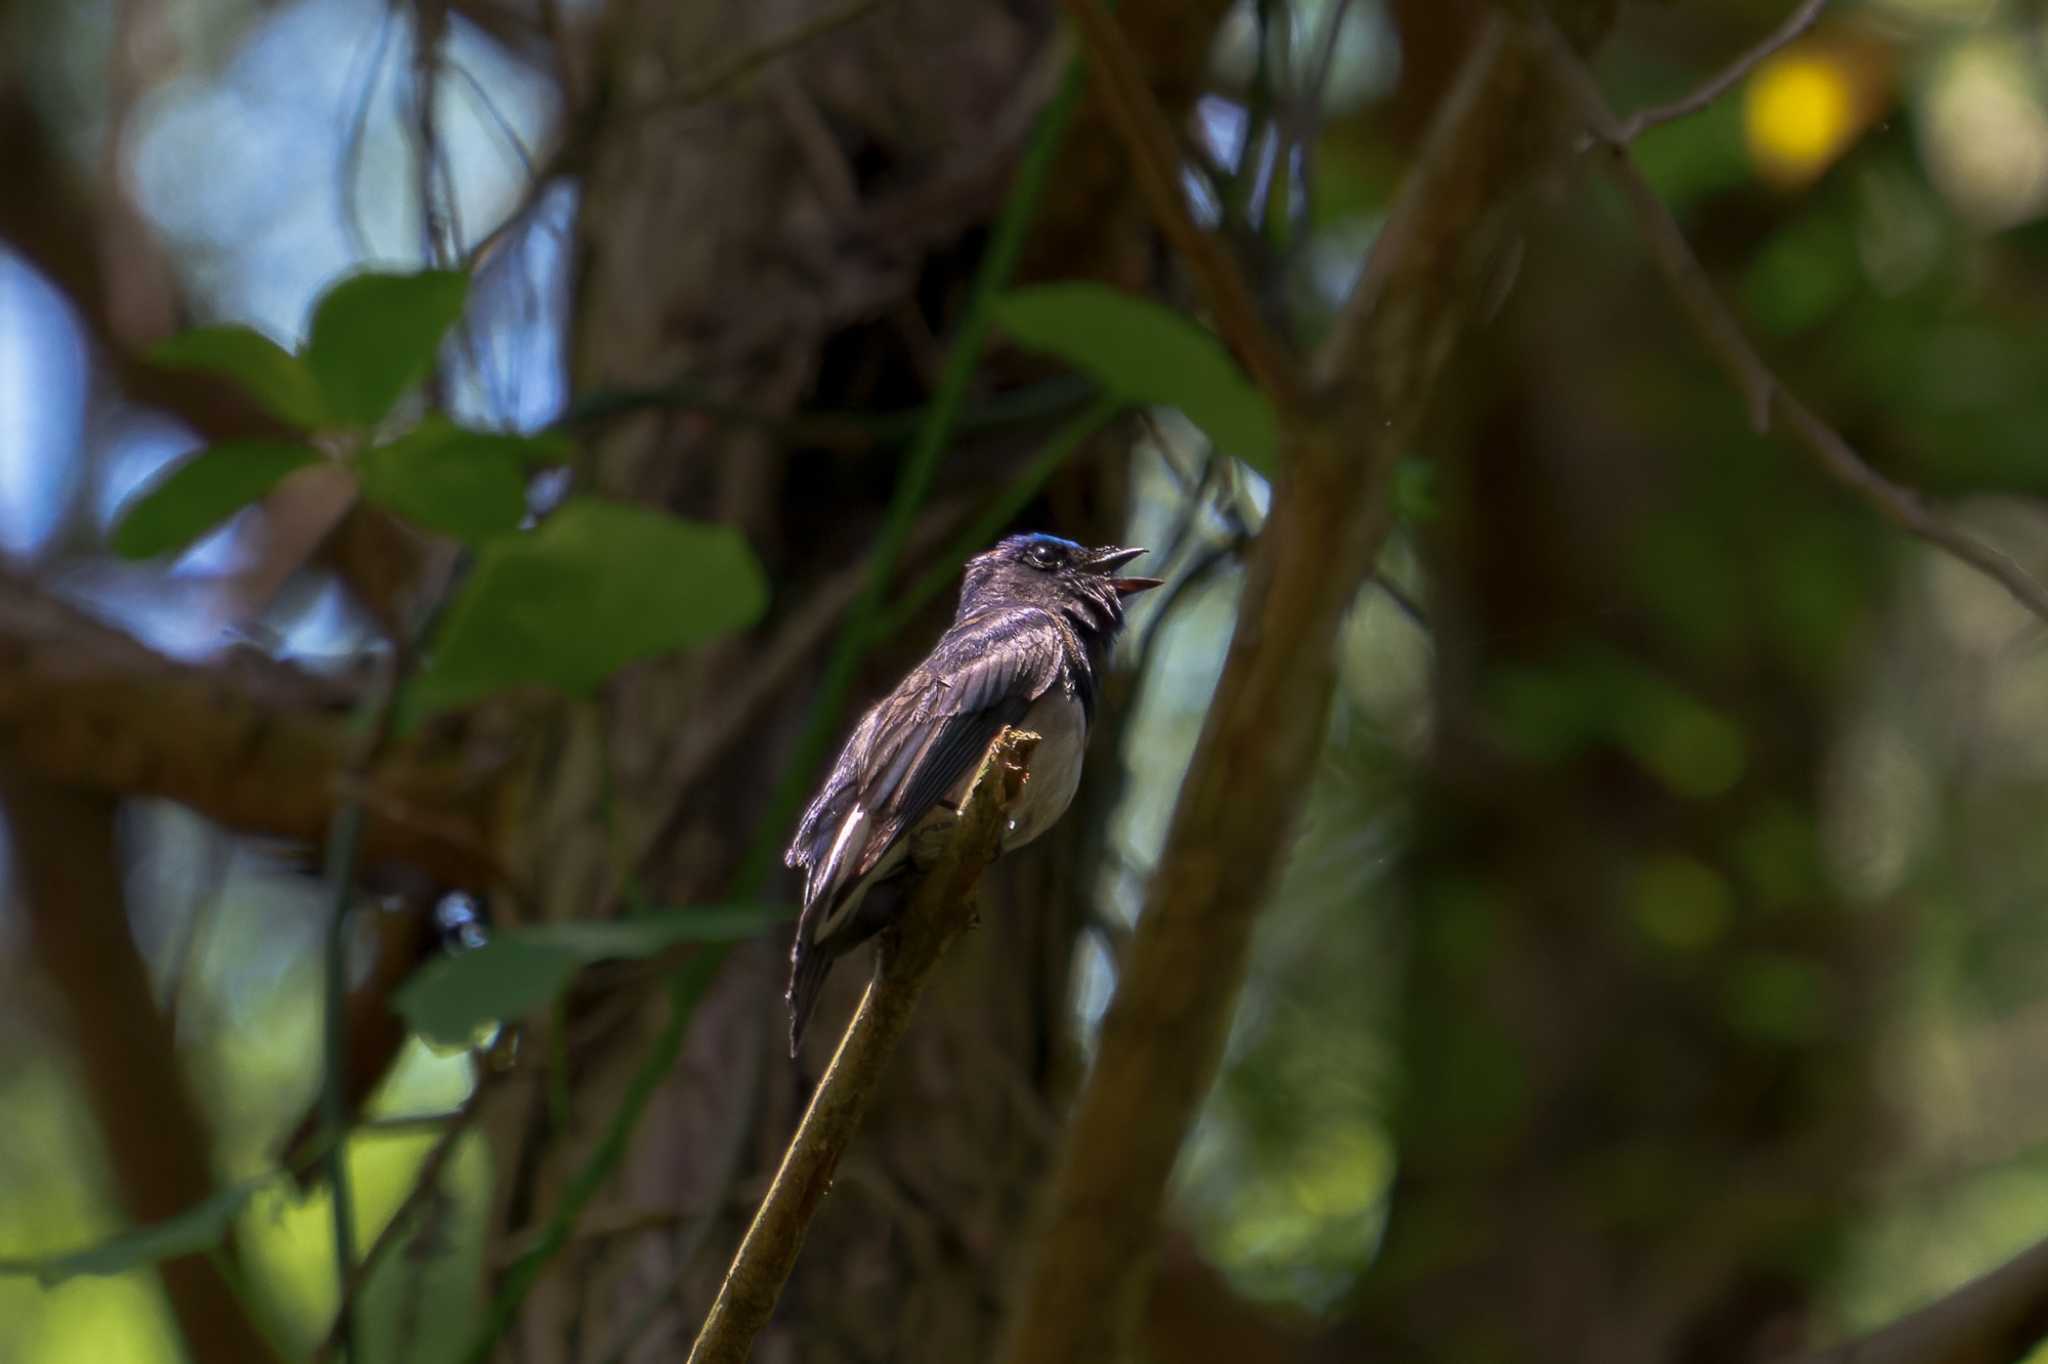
x=1108, y=560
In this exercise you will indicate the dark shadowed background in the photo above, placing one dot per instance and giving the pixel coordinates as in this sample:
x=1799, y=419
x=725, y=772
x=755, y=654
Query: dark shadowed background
x=1656, y=968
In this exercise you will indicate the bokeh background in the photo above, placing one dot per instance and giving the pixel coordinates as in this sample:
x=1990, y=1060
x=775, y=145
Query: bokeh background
x=1669, y=895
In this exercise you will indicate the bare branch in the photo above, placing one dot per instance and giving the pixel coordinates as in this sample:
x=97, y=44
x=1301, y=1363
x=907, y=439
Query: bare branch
x=941, y=910
x=253, y=745
x=1163, y=1037
x=1994, y=1319
x=1761, y=388
x=1783, y=36
x=1155, y=161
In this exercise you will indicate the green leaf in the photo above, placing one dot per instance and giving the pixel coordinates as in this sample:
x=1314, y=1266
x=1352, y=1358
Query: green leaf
x=598, y=585
x=203, y=492
x=1147, y=354
x=374, y=337
x=447, y=1000
x=468, y=484
x=522, y=970
x=198, y=1228
x=642, y=935
x=1416, y=499
x=273, y=375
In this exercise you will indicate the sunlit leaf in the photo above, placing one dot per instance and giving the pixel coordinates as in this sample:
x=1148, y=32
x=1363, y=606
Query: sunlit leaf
x=1147, y=354
x=596, y=586
x=468, y=484
x=374, y=336
x=272, y=375
x=203, y=492
x=522, y=970
x=198, y=1228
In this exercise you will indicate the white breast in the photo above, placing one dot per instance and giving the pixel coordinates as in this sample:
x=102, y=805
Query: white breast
x=1055, y=769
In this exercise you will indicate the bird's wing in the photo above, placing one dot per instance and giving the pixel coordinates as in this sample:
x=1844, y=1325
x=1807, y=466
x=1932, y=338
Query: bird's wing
x=919, y=742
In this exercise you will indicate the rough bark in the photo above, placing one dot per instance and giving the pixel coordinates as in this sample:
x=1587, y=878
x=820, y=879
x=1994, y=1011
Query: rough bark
x=1370, y=386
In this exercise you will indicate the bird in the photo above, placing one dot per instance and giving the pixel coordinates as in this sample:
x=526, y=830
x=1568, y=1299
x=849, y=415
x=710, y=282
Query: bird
x=1037, y=618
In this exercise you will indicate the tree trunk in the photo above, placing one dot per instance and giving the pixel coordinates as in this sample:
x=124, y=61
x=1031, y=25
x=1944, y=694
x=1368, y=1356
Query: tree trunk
x=805, y=241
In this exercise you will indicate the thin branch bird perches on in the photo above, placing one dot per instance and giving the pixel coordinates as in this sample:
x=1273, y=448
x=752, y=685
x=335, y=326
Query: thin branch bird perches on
x=951, y=857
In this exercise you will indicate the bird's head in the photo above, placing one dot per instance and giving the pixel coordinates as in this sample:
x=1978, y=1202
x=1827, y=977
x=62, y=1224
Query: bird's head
x=1046, y=571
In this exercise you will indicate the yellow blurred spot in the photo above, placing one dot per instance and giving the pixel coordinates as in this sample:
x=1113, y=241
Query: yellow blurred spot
x=1799, y=114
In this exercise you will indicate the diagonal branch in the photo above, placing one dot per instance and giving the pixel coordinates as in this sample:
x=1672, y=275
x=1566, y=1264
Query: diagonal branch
x=1997, y=1318
x=1155, y=161
x=256, y=746
x=1164, y=1033
x=941, y=910
x=1766, y=395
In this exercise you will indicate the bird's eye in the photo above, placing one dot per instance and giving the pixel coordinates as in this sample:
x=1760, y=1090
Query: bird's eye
x=1040, y=556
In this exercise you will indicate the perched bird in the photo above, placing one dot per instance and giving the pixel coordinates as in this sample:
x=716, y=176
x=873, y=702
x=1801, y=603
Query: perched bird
x=1037, y=617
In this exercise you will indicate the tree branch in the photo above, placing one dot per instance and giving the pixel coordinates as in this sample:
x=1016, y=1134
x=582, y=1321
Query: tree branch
x=1164, y=1033
x=1766, y=395
x=156, y=1139
x=1783, y=36
x=254, y=745
x=1155, y=160
x=1994, y=1319
x=941, y=910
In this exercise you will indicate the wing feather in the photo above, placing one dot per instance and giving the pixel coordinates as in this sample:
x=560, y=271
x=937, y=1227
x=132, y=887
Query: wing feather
x=918, y=743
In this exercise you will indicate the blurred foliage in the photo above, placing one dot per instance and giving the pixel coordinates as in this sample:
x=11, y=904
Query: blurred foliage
x=1872, y=199
x=1145, y=353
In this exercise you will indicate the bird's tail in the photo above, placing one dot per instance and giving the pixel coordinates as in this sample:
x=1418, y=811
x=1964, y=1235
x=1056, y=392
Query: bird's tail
x=808, y=965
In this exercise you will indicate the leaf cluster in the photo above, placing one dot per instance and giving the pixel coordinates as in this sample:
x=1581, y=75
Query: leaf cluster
x=563, y=603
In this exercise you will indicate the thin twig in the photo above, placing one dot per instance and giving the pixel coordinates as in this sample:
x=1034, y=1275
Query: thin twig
x=1345, y=352
x=939, y=912
x=343, y=840
x=206, y=902
x=1308, y=113
x=1149, y=142
x=353, y=141
x=487, y=108
x=1326, y=58
x=423, y=1184
x=1783, y=36
x=1403, y=602
x=1761, y=388
x=686, y=987
x=440, y=233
